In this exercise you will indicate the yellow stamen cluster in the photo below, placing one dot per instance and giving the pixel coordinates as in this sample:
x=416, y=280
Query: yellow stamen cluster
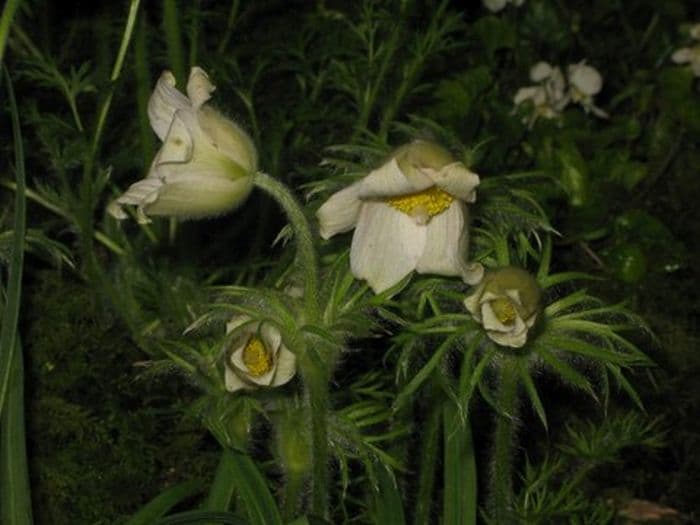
x=432, y=201
x=256, y=357
x=504, y=310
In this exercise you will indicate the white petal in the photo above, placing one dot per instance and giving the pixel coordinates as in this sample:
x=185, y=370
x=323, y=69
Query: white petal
x=386, y=246
x=199, y=89
x=536, y=94
x=163, y=104
x=695, y=64
x=695, y=31
x=390, y=181
x=457, y=180
x=446, y=246
x=233, y=382
x=228, y=138
x=514, y=295
x=683, y=55
x=198, y=194
x=540, y=71
x=585, y=78
x=178, y=145
x=271, y=337
x=494, y=5
x=473, y=302
x=286, y=366
x=340, y=212
x=239, y=320
x=511, y=339
x=142, y=192
x=530, y=321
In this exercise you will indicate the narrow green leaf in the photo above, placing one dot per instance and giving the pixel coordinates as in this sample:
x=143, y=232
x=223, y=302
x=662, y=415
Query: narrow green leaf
x=531, y=390
x=565, y=371
x=202, y=517
x=388, y=508
x=10, y=314
x=8, y=13
x=15, y=495
x=222, y=488
x=163, y=502
x=460, y=492
x=253, y=489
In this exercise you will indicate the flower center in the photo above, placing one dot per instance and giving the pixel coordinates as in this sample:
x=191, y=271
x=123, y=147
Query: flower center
x=256, y=357
x=432, y=201
x=504, y=310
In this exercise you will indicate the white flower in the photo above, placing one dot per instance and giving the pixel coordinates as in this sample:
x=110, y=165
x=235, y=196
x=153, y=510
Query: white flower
x=690, y=55
x=506, y=303
x=584, y=83
x=205, y=165
x=257, y=357
x=496, y=5
x=548, y=97
x=409, y=214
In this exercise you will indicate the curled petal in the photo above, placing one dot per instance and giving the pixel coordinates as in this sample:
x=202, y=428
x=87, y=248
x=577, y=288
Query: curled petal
x=199, y=88
x=514, y=339
x=390, y=181
x=585, y=78
x=386, y=246
x=232, y=381
x=541, y=71
x=340, y=212
x=163, y=104
x=286, y=366
x=682, y=55
x=456, y=180
x=178, y=145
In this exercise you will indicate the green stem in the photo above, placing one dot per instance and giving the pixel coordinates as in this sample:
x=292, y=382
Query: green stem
x=501, y=489
x=316, y=382
x=426, y=481
x=306, y=253
x=292, y=494
x=8, y=13
x=176, y=54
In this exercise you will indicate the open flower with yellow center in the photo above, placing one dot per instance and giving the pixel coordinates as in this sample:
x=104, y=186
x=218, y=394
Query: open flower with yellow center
x=506, y=303
x=409, y=214
x=257, y=357
x=690, y=55
x=206, y=164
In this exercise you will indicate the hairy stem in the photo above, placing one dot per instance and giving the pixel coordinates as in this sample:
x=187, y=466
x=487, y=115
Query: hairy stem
x=501, y=482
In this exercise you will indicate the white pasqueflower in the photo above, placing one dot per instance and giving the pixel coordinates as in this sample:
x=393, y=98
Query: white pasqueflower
x=257, y=357
x=205, y=165
x=548, y=97
x=409, y=214
x=690, y=55
x=506, y=303
x=584, y=83
x=497, y=5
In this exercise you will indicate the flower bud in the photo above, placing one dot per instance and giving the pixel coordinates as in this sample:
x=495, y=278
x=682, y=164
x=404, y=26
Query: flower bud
x=506, y=303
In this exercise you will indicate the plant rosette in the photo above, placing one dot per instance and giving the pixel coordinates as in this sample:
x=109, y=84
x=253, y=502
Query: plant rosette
x=206, y=164
x=408, y=214
x=506, y=303
x=257, y=356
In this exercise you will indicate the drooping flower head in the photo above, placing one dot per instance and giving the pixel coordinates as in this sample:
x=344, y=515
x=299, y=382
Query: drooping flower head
x=548, y=97
x=506, y=302
x=690, y=55
x=257, y=357
x=205, y=165
x=408, y=214
x=584, y=83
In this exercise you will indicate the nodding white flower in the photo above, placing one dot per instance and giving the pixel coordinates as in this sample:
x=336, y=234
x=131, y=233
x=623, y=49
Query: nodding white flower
x=690, y=55
x=257, y=357
x=409, y=214
x=585, y=82
x=548, y=97
x=506, y=303
x=205, y=165
x=497, y=5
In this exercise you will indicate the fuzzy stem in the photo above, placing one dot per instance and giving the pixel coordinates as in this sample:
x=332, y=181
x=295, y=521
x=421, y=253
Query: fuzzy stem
x=292, y=493
x=306, y=254
x=429, y=453
x=317, y=386
x=501, y=482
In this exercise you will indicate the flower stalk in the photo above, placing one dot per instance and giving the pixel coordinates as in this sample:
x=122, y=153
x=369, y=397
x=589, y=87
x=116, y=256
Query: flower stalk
x=501, y=481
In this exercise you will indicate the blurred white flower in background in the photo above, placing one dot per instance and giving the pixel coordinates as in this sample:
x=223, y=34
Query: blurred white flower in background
x=409, y=214
x=690, y=55
x=552, y=92
x=206, y=164
x=497, y=5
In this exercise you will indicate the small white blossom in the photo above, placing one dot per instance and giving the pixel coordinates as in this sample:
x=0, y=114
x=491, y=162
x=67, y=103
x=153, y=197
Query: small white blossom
x=690, y=55
x=409, y=214
x=205, y=164
x=584, y=83
x=257, y=357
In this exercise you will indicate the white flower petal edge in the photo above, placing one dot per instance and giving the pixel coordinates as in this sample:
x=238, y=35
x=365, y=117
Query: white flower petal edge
x=340, y=212
x=386, y=246
x=163, y=104
x=441, y=254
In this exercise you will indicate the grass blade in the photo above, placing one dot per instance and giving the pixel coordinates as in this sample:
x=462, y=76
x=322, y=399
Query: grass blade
x=388, y=508
x=15, y=498
x=163, y=502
